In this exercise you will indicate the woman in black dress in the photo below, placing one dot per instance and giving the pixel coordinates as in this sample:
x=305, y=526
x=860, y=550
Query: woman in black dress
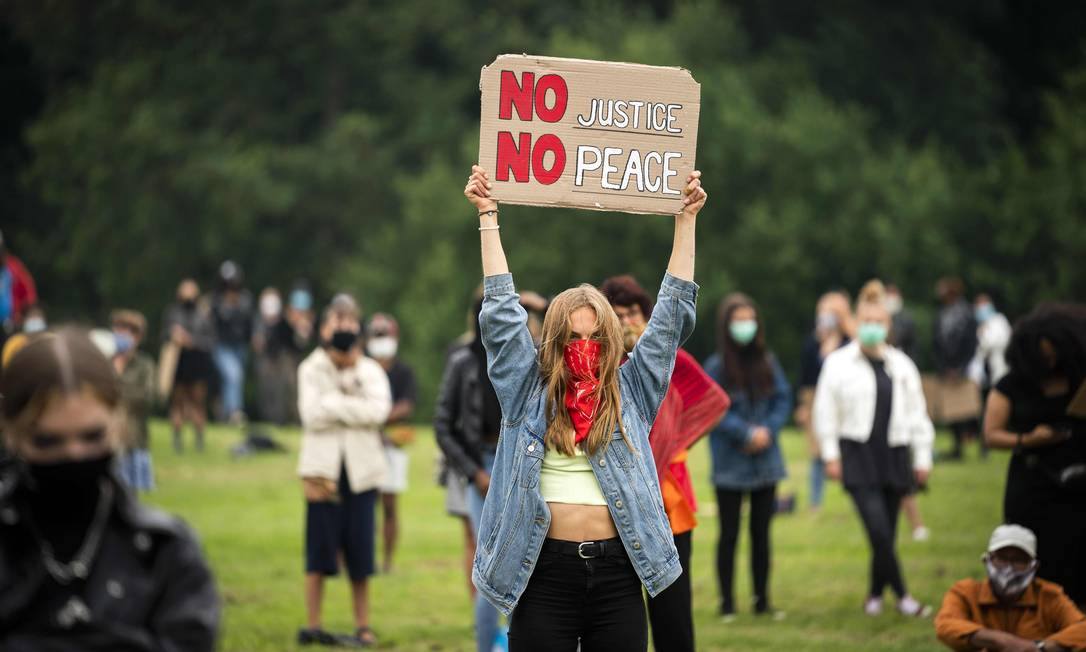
x=1027, y=411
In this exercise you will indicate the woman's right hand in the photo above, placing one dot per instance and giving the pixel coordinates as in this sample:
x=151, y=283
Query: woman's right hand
x=478, y=190
x=1043, y=435
x=833, y=470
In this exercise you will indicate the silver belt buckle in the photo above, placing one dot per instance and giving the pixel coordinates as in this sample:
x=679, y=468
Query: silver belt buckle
x=580, y=549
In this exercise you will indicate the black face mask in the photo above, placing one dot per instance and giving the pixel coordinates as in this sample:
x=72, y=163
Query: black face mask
x=63, y=480
x=188, y=304
x=343, y=340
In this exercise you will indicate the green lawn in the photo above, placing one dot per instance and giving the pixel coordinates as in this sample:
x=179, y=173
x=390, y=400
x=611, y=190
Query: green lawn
x=248, y=514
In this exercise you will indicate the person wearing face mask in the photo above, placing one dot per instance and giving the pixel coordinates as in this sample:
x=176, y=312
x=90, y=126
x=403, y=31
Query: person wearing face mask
x=382, y=344
x=989, y=365
x=188, y=326
x=34, y=320
x=746, y=454
x=1010, y=610
x=84, y=566
x=344, y=399
x=277, y=348
x=692, y=406
x=232, y=306
x=1028, y=411
x=136, y=372
x=573, y=528
x=869, y=414
x=834, y=328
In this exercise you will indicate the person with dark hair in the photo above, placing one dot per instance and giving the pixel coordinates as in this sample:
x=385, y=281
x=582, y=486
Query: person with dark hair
x=573, y=530
x=136, y=371
x=83, y=565
x=188, y=325
x=955, y=344
x=693, y=405
x=383, y=344
x=280, y=339
x=344, y=399
x=870, y=416
x=834, y=328
x=232, y=306
x=1028, y=412
x=746, y=453
x=902, y=325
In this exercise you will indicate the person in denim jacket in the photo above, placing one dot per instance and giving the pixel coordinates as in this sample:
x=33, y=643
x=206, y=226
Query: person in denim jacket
x=573, y=524
x=745, y=449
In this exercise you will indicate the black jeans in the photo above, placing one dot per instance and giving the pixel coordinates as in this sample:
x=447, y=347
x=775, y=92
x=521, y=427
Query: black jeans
x=729, y=502
x=568, y=599
x=878, y=508
x=670, y=611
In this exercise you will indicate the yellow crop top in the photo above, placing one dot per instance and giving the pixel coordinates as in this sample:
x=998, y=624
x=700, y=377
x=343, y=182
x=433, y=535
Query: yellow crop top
x=565, y=479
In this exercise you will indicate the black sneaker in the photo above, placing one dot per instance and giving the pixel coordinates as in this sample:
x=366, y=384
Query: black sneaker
x=316, y=637
x=363, y=637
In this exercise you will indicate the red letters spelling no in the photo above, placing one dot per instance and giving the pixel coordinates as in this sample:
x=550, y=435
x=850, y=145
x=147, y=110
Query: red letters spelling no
x=520, y=157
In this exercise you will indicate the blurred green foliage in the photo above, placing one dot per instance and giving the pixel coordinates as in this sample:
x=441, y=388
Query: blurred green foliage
x=329, y=140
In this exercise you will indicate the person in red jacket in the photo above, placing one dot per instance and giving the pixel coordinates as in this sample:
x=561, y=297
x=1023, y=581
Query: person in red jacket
x=17, y=291
x=692, y=406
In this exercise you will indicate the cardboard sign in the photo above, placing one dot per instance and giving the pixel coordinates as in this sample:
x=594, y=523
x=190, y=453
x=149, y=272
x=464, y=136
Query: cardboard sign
x=588, y=134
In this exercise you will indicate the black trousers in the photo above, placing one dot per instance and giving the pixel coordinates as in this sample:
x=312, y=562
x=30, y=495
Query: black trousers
x=670, y=611
x=568, y=599
x=878, y=508
x=729, y=503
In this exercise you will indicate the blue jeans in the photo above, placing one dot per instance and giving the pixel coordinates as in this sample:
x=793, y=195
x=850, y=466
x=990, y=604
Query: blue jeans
x=136, y=470
x=486, y=616
x=230, y=360
x=818, y=479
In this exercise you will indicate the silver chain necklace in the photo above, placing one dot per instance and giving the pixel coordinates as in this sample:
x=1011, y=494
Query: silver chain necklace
x=79, y=566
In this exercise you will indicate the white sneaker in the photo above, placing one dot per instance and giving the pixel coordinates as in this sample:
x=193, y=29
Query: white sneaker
x=873, y=606
x=921, y=534
x=908, y=606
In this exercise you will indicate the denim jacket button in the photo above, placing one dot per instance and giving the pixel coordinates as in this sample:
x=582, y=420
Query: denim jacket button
x=603, y=462
x=531, y=447
x=618, y=503
x=637, y=545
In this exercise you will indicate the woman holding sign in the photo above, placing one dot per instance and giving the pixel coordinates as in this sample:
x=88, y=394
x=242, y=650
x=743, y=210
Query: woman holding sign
x=574, y=526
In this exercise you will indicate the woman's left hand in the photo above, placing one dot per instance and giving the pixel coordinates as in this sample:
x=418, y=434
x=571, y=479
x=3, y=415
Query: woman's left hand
x=695, y=194
x=922, y=476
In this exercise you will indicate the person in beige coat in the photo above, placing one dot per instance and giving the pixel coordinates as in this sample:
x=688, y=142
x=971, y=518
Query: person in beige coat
x=343, y=400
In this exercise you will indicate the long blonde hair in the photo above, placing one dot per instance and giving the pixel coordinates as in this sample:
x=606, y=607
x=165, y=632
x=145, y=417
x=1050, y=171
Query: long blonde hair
x=557, y=332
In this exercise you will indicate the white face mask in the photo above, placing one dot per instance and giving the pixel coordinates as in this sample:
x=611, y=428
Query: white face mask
x=270, y=306
x=382, y=348
x=33, y=325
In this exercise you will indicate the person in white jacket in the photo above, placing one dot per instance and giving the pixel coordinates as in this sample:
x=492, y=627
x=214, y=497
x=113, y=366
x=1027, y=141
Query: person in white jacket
x=869, y=413
x=344, y=400
x=989, y=365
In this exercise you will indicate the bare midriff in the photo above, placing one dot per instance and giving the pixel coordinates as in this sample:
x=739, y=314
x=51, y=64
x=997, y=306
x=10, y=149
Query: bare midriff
x=580, y=522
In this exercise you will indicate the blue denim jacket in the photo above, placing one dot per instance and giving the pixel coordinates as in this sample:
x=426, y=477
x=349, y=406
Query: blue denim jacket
x=732, y=468
x=515, y=517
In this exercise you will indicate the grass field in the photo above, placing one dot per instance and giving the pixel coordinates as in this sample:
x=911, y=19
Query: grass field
x=248, y=513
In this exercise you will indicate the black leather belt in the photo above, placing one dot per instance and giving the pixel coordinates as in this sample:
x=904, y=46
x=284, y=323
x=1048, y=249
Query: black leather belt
x=586, y=549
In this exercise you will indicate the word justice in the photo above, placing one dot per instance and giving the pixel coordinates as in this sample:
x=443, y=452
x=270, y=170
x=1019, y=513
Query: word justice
x=623, y=114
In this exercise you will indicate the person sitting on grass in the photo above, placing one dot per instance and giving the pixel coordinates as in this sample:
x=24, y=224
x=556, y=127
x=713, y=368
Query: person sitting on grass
x=1011, y=610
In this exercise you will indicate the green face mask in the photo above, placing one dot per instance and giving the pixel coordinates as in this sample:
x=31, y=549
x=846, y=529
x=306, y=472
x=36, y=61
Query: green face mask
x=871, y=333
x=743, y=331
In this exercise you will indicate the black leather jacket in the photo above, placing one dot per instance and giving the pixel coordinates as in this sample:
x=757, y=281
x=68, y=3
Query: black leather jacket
x=149, y=587
x=458, y=415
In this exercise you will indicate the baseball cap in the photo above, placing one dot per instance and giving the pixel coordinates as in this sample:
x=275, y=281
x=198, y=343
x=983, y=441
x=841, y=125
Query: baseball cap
x=1013, y=536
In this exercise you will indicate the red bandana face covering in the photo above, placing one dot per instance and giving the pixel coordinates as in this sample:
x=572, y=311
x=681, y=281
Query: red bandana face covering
x=583, y=362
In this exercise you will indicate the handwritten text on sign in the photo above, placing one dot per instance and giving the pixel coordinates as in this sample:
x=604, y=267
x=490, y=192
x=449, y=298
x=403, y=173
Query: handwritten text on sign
x=588, y=134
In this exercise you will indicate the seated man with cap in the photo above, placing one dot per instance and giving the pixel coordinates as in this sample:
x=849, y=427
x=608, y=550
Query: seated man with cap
x=1012, y=610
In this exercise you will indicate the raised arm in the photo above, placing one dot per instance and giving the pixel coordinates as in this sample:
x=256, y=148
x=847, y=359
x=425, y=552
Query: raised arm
x=503, y=322
x=478, y=193
x=652, y=361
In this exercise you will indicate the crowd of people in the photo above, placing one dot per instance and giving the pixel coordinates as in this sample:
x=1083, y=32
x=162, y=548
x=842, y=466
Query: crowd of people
x=565, y=424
